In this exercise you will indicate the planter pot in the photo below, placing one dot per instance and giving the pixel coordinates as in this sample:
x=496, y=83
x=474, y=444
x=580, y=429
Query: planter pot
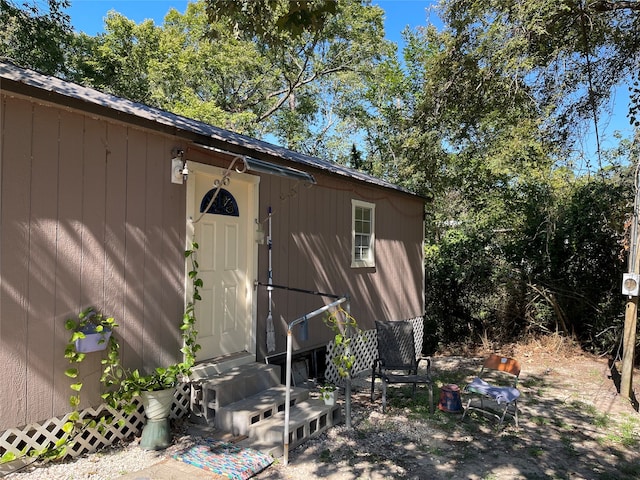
x=330, y=398
x=156, y=434
x=93, y=341
x=157, y=403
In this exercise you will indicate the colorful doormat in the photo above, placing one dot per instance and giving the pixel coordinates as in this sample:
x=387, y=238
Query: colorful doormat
x=223, y=458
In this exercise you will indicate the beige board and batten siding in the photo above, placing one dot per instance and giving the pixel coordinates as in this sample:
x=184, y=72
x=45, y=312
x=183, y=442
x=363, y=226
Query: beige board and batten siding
x=88, y=217
x=311, y=229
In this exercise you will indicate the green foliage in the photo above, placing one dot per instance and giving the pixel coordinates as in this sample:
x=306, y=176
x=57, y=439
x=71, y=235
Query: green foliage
x=345, y=328
x=218, y=64
x=121, y=386
x=519, y=240
x=36, y=34
x=272, y=21
x=556, y=269
x=188, y=327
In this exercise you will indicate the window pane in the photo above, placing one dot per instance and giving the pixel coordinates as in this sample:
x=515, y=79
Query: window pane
x=362, y=247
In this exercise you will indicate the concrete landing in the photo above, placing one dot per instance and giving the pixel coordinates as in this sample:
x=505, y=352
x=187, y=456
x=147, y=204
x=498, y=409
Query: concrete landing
x=172, y=470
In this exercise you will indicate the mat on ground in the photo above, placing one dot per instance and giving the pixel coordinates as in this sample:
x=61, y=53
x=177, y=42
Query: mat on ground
x=224, y=458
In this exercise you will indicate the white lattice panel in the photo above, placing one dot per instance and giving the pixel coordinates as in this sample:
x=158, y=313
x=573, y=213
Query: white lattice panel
x=37, y=436
x=365, y=348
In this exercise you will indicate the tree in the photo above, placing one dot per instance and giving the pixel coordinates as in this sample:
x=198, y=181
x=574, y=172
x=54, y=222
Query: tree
x=272, y=21
x=285, y=84
x=516, y=231
x=35, y=36
x=119, y=61
x=567, y=56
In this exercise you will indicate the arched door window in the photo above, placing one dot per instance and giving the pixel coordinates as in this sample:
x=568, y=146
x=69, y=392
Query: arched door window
x=224, y=204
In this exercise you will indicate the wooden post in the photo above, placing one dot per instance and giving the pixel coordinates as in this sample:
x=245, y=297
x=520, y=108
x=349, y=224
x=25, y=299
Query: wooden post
x=628, y=345
x=631, y=312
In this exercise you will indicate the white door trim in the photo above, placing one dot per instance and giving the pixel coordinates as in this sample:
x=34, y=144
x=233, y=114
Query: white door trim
x=250, y=242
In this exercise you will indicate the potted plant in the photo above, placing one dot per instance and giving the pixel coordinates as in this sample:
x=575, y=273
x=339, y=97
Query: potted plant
x=123, y=387
x=156, y=390
x=329, y=393
x=91, y=330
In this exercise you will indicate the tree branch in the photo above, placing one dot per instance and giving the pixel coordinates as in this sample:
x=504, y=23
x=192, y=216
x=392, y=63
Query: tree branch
x=611, y=6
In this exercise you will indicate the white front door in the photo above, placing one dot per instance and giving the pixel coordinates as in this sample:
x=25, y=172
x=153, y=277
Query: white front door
x=227, y=258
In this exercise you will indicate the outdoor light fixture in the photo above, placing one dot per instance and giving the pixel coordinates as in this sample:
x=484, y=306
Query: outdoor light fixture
x=179, y=170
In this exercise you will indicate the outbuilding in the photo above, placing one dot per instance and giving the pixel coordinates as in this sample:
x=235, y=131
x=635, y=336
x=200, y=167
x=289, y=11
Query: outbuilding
x=100, y=197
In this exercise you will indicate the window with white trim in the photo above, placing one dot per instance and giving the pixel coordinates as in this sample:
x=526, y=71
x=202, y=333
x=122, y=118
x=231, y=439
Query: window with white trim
x=362, y=234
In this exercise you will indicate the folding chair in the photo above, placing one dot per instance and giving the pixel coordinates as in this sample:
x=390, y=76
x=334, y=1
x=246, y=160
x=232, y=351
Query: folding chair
x=503, y=373
x=397, y=361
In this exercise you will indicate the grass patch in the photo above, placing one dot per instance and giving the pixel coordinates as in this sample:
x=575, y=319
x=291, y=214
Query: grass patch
x=325, y=456
x=583, y=408
x=533, y=382
x=540, y=421
x=567, y=442
x=624, y=434
x=601, y=420
x=435, y=451
x=536, y=451
x=562, y=424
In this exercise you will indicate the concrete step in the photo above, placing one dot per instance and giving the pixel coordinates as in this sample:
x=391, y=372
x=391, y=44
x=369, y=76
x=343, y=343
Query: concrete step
x=238, y=417
x=209, y=394
x=218, y=365
x=307, y=419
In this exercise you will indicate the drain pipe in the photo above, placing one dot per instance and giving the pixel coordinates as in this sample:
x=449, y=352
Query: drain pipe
x=287, y=404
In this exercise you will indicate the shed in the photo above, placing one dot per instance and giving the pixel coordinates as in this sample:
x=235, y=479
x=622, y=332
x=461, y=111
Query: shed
x=94, y=210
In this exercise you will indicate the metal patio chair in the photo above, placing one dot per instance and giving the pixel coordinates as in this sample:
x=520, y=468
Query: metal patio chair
x=497, y=382
x=397, y=362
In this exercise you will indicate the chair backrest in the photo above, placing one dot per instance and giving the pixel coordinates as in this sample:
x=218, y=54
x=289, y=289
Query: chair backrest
x=504, y=365
x=396, y=344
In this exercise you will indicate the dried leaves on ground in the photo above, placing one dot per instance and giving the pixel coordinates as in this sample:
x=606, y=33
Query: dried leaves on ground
x=573, y=425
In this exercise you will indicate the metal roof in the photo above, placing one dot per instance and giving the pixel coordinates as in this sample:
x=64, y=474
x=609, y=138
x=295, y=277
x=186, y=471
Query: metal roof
x=84, y=98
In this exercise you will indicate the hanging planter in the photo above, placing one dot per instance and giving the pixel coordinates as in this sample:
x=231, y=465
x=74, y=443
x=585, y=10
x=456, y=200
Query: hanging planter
x=91, y=331
x=93, y=340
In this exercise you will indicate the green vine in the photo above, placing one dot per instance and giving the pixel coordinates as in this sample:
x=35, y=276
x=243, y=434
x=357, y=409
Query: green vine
x=345, y=327
x=189, y=332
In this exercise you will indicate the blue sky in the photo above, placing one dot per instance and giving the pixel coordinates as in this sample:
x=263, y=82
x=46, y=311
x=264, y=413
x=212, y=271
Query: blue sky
x=88, y=16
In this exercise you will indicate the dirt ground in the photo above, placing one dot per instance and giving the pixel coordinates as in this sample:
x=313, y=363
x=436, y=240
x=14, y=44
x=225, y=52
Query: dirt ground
x=573, y=425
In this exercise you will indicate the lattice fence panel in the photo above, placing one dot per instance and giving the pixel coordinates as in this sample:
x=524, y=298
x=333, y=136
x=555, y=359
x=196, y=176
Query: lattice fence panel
x=365, y=349
x=37, y=436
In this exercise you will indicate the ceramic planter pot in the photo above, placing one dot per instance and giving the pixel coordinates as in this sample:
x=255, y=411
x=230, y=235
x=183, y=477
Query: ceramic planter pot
x=156, y=434
x=330, y=398
x=157, y=403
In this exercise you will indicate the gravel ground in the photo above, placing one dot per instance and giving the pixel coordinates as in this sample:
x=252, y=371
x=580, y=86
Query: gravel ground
x=572, y=425
x=103, y=465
